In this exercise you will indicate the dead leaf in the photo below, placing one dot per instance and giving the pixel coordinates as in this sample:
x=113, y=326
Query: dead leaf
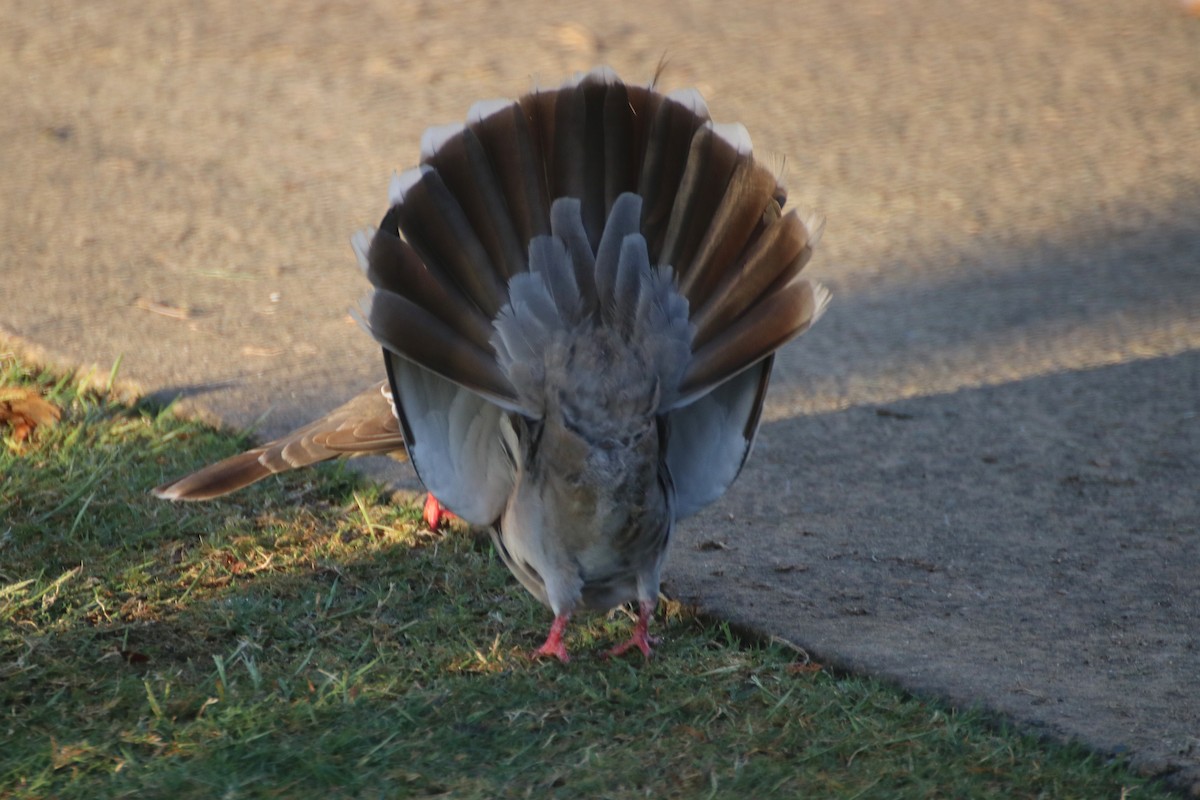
x=24, y=410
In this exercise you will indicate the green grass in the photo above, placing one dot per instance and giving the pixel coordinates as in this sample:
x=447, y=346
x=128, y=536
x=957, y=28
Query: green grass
x=307, y=639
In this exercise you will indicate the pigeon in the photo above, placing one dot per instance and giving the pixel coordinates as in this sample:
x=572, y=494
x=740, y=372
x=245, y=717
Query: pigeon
x=579, y=296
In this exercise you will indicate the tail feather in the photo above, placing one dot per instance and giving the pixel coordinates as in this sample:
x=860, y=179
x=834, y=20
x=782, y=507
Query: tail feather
x=435, y=224
x=511, y=148
x=776, y=255
x=393, y=266
x=620, y=144
x=566, y=163
x=464, y=166
x=592, y=161
x=539, y=109
x=411, y=331
x=736, y=220
x=665, y=159
x=710, y=165
x=641, y=107
x=775, y=320
x=216, y=480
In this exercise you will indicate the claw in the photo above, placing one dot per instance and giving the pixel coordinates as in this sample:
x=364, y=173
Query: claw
x=435, y=513
x=554, y=645
x=641, y=638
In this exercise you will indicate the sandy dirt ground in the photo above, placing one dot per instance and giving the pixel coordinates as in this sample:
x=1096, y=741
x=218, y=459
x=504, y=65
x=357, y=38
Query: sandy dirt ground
x=980, y=473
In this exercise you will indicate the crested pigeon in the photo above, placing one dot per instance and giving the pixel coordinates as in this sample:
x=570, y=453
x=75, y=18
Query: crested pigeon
x=579, y=296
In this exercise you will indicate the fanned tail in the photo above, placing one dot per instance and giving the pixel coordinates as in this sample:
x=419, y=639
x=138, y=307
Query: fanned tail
x=485, y=191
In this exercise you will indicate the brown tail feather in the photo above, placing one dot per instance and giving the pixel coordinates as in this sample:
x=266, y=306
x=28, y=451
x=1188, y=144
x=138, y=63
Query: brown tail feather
x=394, y=266
x=620, y=146
x=777, y=254
x=464, y=166
x=771, y=323
x=414, y=333
x=710, y=165
x=735, y=220
x=668, y=140
x=509, y=143
x=435, y=224
x=592, y=158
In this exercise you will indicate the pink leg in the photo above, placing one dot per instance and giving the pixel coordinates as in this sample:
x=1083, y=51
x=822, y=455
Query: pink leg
x=554, y=645
x=435, y=514
x=641, y=638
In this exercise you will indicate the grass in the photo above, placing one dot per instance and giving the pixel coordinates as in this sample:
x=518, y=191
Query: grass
x=307, y=639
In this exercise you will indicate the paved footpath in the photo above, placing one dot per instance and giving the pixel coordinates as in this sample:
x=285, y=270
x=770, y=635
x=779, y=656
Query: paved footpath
x=979, y=474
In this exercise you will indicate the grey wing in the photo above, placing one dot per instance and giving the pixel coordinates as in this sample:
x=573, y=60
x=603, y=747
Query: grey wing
x=709, y=440
x=456, y=441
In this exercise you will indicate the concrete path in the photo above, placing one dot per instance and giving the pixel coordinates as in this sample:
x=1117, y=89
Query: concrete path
x=980, y=473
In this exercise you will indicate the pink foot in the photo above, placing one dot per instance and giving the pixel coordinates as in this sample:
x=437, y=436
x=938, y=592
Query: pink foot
x=641, y=638
x=554, y=645
x=435, y=513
